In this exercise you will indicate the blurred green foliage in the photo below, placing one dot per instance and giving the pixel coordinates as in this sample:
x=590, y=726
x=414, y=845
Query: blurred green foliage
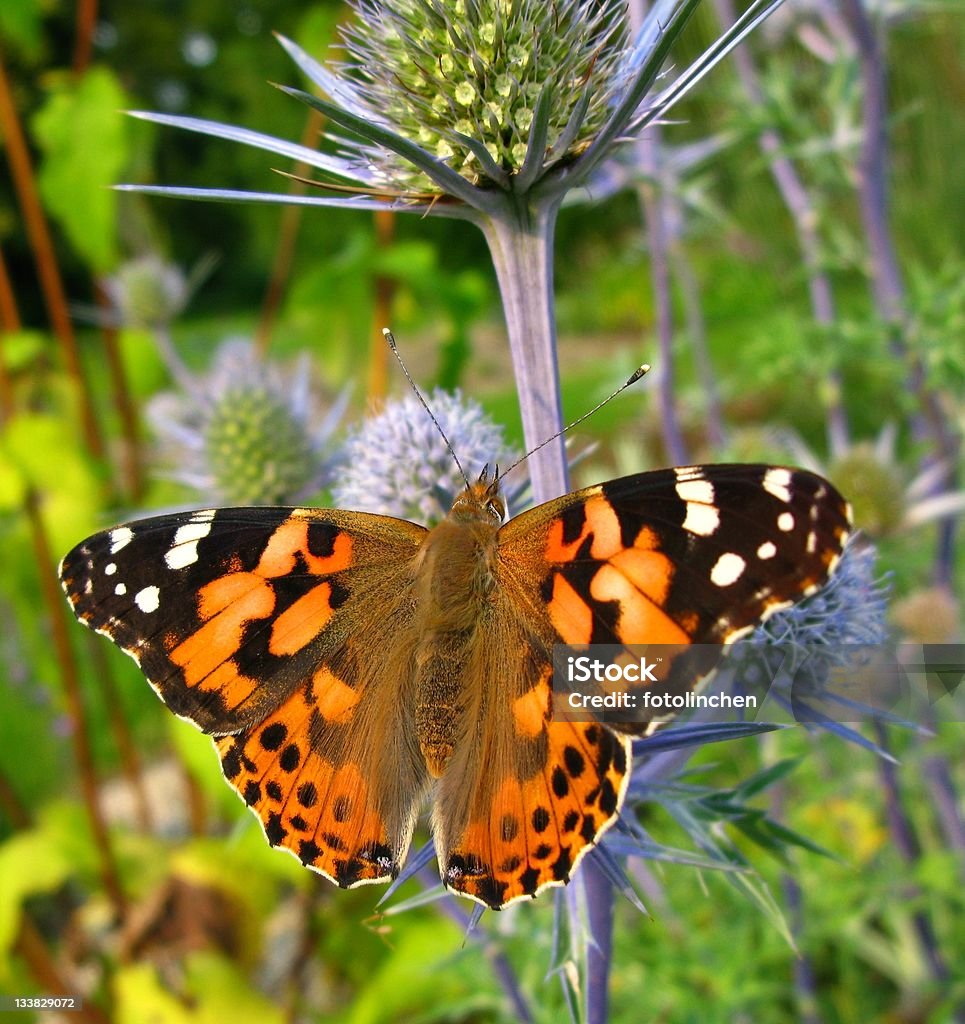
x=278, y=944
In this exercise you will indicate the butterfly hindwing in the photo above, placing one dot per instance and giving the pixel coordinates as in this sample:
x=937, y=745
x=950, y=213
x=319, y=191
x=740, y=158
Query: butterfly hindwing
x=251, y=624
x=529, y=795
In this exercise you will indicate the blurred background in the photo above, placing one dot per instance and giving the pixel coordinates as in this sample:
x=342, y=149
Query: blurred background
x=807, y=322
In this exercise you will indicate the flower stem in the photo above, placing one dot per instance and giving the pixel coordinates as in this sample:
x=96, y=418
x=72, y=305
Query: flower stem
x=520, y=238
x=599, y=952
x=886, y=281
x=909, y=849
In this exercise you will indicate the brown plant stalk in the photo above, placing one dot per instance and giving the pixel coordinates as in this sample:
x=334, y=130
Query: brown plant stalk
x=131, y=766
x=12, y=806
x=84, y=41
x=83, y=755
x=48, y=271
x=43, y=967
x=384, y=287
x=291, y=220
x=9, y=321
x=132, y=463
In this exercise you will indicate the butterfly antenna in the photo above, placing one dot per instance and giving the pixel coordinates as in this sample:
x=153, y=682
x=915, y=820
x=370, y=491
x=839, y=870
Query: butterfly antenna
x=387, y=334
x=639, y=372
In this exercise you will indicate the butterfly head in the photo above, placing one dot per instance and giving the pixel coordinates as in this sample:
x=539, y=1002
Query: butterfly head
x=481, y=500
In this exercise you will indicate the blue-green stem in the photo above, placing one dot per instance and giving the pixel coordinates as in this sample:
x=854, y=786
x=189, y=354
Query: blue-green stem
x=520, y=237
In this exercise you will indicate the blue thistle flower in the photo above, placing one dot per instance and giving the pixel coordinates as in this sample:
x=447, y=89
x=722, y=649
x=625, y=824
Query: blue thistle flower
x=247, y=432
x=490, y=111
x=396, y=463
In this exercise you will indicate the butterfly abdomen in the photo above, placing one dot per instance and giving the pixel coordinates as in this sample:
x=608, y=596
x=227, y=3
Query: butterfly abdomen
x=453, y=594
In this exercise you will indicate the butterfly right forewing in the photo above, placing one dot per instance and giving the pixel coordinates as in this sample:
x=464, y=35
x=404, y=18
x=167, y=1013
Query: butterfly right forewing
x=697, y=555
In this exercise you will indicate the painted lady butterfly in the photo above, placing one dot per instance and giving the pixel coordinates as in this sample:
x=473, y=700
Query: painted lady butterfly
x=348, y=664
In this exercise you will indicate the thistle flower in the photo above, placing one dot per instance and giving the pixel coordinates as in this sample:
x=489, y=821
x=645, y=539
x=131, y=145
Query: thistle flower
x=147, y=291
x=885, y=500
x=452, y=76
x=491, y=111
x=930, y=615
x=248, y=432
x=849, y=609
x=396, y=463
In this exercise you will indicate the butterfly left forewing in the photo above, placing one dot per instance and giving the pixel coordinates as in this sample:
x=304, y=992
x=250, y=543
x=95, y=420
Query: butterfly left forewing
x=255, y=624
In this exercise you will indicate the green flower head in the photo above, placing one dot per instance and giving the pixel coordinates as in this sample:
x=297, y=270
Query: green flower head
x=447, y=73
x=246, y=432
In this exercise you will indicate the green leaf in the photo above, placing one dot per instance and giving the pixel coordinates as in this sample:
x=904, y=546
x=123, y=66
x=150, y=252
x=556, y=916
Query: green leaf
x=40, y=860
x=81, y=130
x=29, y=864
x=214, y=991
x=13, y=484
x=410, y=981
x=761, y=780
x=21, y=349
x=223, y=993
x=46, y=452
x=140, y=996
x=20, y=23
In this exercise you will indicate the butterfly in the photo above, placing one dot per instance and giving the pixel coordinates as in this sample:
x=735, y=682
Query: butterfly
x=351, y=665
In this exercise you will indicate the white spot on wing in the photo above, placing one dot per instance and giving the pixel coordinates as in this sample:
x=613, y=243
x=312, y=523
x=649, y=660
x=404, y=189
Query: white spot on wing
x=727, y=569
x=696, y=490
x=120, y=538
x=785, y=522
x=184, y=550
x=812, y=544
x=148, y=599
x=778, y=482
x=120, y=590
x=110, y=568
x=701, y=519
x=767, y=550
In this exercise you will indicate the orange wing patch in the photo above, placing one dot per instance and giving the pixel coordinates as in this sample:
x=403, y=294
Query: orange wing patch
x=605, y=585
x=600, y=523
x=290, y=543
x=229, y=603
x=302, y=621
